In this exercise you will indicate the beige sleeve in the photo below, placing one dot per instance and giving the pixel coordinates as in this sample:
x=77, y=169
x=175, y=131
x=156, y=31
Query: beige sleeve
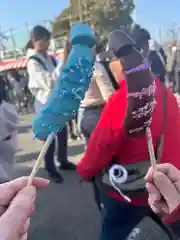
x=103, y=81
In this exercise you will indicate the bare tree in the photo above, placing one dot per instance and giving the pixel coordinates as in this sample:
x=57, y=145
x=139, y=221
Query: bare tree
x=173, y=32
x=2, y=46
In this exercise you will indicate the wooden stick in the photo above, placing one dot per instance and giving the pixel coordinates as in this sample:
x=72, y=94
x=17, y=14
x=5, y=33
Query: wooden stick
x=40, y=157
x=151, y=149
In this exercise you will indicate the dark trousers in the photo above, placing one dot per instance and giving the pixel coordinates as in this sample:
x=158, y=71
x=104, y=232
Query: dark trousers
x=72, y=124
x=120, y=219
x=170, y=77
x=89, y=119
x=176, y=228
x=61, y=151
x=162, y=79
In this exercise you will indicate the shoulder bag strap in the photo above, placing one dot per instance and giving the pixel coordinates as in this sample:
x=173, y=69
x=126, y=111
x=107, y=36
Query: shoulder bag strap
x=39, y=61
x=161, y=137
x=54, y=61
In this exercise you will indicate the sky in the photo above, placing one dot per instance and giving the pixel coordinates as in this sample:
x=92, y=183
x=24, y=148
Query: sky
x=16, y=13
x=154, y=14
x=157, y=14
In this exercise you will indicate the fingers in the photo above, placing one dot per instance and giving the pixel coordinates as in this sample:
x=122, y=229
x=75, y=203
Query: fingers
x=155, y=200
x=16, y=217
x=154, y=193
x=159, y=207
x=172, y=172
x=24, y=237
x=10, y=189
x=25, y=227
x=166, y=183
x=2, y=209
x=168, y=169
x=149, y=175
x=167, y=190
x=151, y=204
x=20, y=208
x=39, y=183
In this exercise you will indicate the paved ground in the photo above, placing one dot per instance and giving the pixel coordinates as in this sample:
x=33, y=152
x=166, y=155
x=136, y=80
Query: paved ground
x=64, y=211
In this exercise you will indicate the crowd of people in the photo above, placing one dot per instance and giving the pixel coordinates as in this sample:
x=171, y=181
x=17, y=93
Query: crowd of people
x=102, y=111
x=17, y=92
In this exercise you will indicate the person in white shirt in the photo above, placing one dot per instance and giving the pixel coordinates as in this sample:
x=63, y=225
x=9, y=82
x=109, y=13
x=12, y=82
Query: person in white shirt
x=43, y=73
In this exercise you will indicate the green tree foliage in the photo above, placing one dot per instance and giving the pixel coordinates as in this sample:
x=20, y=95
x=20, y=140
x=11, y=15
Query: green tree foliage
x=61, y=24
x=105, y=15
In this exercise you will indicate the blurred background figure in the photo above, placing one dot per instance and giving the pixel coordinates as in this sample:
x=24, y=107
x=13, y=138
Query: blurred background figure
x=17, y=85
x=169, y=67
x=9, y=123
x=176, y=67
x=153, y=51
x=158, y=60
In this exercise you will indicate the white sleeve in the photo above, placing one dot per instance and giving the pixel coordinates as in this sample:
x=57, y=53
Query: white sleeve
x=57, y=71
x=39, y=77
x=174, y=49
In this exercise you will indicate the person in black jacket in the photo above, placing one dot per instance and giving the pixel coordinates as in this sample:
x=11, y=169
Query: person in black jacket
x=158, y=60
x=176, y=68
x=153, y=51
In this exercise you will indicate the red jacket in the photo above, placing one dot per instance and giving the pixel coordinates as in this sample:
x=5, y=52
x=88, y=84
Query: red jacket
x=110, y=139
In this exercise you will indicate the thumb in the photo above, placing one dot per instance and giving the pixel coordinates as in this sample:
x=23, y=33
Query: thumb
x=20, y=208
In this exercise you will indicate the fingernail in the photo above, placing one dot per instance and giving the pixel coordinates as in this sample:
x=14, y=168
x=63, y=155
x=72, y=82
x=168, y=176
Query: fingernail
x=26, y=226
x=47, y=180
x=24, y=237
x=33, y=211
x=165, y=210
